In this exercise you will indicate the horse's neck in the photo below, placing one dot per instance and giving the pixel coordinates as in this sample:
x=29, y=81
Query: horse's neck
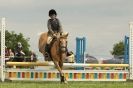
x=55, y=48
x=56, y=53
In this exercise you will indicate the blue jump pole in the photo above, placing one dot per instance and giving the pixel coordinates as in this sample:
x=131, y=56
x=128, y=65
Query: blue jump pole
x=80, y=49
x=126, y=50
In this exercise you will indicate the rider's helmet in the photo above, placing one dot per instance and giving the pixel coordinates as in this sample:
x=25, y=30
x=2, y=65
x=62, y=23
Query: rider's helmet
x=52, y=12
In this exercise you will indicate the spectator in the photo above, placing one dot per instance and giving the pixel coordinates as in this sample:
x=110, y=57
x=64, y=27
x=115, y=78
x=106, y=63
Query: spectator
x=6, y=54
x=19, y=54
x=33, y=57
x=19, y=49
x=11, y=54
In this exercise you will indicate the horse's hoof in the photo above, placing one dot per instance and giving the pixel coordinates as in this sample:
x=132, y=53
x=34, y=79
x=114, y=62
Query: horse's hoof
x=63, y=80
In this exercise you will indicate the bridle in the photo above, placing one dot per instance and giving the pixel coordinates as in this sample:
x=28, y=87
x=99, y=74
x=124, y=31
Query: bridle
x=62, y=49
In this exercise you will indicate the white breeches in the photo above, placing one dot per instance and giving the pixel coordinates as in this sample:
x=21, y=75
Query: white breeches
x=49, y=39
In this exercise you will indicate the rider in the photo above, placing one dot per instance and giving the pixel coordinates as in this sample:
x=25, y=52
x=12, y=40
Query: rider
x=54, y=29
x=19, y=49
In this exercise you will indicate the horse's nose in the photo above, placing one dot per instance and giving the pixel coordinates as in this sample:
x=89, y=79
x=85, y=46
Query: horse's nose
x=63, y=48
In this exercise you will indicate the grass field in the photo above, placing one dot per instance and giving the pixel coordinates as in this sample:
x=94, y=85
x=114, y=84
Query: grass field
x=23, y=84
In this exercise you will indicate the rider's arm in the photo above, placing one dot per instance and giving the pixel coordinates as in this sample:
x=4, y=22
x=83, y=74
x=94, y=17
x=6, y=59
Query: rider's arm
x=49, y=27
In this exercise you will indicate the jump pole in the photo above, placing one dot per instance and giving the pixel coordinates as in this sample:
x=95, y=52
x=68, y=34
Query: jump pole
x=71, y=75
x=65, y=64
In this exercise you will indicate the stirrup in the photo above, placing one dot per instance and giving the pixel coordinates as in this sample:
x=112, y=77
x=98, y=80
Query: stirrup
x=46, y=56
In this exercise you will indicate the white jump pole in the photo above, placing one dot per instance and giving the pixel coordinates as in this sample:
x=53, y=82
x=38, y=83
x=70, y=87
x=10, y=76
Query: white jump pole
x=3, y=49
x=65, y=64
x=131, y=51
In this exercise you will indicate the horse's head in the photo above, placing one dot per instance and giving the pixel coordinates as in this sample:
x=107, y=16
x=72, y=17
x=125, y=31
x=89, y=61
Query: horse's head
x=63, y=42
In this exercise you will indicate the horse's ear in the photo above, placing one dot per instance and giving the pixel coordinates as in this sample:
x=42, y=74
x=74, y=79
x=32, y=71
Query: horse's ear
x=66, y=34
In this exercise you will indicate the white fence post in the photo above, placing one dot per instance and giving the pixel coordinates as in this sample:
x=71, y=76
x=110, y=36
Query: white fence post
x=131, y=51
x=3, y=49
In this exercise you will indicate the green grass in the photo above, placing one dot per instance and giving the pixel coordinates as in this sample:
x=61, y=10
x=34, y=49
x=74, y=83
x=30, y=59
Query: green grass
x=24, y=84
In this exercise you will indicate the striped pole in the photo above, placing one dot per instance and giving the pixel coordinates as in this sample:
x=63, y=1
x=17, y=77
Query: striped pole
x=3, y=50
x=131, y=51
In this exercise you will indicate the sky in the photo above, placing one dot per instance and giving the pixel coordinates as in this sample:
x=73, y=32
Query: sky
x=102, y=22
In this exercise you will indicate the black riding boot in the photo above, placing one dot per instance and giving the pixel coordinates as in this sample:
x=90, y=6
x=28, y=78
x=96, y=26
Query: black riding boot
x=47, y=51
x=67, y=51
x=47, y=48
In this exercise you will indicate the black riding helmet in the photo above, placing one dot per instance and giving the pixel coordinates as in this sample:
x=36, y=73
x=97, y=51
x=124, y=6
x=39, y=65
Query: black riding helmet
x=52, y=12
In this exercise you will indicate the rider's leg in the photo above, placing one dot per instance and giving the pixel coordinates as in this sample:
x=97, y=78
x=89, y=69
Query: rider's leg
x=47, y=48
x=49, y=39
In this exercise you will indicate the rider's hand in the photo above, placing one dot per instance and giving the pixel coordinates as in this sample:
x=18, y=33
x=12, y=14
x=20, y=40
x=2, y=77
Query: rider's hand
x=54, y=35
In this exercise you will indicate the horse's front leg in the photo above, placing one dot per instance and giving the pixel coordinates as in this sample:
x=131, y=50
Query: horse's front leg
x=60, y=71
x=58, y=68
x=63, y=78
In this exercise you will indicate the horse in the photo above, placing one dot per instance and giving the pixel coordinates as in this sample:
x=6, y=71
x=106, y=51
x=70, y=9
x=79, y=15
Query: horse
x=42, y=43
x=58, y=51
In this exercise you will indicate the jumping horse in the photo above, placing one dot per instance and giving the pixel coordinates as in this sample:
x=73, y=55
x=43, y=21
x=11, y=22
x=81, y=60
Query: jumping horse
x=58, y=51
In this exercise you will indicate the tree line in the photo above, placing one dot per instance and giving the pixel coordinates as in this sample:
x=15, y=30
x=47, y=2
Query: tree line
x=12, y=38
